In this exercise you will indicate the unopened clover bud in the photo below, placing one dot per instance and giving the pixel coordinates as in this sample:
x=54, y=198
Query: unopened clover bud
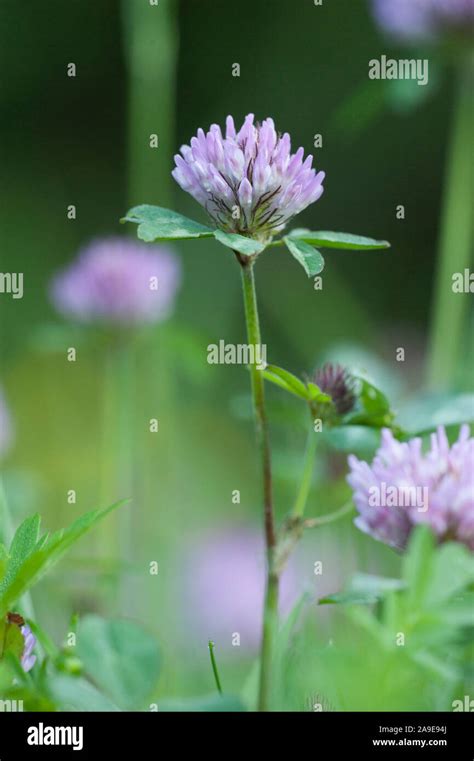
x=335, y=381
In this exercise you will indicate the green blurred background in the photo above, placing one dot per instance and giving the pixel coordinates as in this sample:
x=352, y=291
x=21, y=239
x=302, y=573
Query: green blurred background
x=167, y=69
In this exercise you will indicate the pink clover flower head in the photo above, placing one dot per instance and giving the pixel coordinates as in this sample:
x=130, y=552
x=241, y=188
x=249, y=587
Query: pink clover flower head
x=248, y=180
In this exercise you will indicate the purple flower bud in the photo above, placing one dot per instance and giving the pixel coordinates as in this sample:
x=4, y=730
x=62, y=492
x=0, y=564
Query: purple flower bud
x=6, y=426
x=118, y=281
x=404, y=487
x=28, y=659
x=418, y=19
x=337, y=382
x=250, y=172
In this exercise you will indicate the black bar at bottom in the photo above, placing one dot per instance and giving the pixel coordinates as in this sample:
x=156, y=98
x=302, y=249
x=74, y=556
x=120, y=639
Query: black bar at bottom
x=374, y=735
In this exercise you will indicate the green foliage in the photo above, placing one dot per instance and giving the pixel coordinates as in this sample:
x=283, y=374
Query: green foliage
x=429, y=607
x=11, y=639
x=364, y=589
x=372, y=407
x=310, y=258
x=155, y=223
x=3, y=560
x=97, y=175
x=114, y=666
x=436, y=576
x=398, y=643
x=431, y=576
x=21, y=547
x=424, y=413
x=288, y=382
x=44, y=639
x=71, y=693
x=245, y=246
x=358, y=439
x=30, y=557
x=418, y=565
x=203, y=704
x=284, y=642
x=336, y=240
x=120, y=657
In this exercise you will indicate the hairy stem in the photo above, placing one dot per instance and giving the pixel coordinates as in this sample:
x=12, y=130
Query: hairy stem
x=270, y=612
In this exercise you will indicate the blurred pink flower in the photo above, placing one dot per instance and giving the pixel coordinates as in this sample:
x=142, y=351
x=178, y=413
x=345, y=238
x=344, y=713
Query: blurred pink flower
x=28, y=659
x=424, y=19
x=118, y=281
x=224, y=586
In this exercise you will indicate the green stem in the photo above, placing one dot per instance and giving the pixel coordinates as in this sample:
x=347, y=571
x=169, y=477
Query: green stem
x=308, y=467
x=455, y=245
x=214, y=667
x=151, y=49
x=323, y=520
x=270, y=613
